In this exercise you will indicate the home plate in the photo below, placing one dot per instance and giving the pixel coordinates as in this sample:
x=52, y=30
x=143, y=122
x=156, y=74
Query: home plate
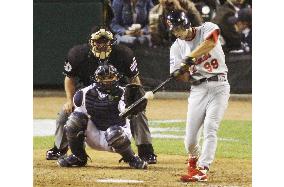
x=118, y=181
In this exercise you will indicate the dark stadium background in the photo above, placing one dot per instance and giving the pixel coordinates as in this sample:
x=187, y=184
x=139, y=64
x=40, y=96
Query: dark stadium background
x=58, y=25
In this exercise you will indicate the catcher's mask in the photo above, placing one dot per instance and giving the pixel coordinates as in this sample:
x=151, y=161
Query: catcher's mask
x=177, y=20
x=101, y=43
x=107, y=78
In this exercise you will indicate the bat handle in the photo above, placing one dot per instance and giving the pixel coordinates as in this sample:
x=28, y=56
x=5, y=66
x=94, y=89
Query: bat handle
x=162, y=84
x=143, y=98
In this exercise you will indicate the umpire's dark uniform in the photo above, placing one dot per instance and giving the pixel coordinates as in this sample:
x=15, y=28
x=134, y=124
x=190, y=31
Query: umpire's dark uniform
x=81, y=64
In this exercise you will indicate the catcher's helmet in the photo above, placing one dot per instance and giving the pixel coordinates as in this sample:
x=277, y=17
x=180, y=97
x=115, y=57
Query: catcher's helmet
x=107, y=78
x=177, y=19
x=101, y=43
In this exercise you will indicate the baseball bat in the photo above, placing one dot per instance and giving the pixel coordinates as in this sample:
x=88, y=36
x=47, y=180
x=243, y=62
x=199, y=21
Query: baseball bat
x=105, y=11
x=176, y=73
x=128, y=110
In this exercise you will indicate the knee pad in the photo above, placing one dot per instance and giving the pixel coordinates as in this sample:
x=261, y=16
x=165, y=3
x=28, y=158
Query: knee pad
x=117, y=139
x=77, y=122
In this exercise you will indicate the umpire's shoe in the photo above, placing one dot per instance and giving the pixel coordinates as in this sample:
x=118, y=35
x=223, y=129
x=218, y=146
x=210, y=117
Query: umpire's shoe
x=54, y=153
x=149, y=158
x=71, y=160
x=146, y=153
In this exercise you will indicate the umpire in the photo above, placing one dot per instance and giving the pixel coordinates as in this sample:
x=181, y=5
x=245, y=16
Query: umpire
x=82, y=61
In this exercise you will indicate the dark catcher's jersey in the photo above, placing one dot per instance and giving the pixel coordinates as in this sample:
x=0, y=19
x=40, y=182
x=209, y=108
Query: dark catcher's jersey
x=82, y=64
x=103, y=109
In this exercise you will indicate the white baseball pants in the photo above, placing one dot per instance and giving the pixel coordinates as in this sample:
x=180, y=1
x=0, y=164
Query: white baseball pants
x=206, y=106
x=96, y=138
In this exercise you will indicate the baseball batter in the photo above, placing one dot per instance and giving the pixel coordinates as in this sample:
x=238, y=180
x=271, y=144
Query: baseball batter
x=199, y=49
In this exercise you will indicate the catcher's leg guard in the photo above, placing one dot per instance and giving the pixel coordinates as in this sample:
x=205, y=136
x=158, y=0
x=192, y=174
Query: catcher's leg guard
x=118, y=140
x=75, y=128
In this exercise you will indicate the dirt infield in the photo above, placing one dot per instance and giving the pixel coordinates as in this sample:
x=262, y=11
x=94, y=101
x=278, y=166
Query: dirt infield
x=48, y=107
x=165, y=173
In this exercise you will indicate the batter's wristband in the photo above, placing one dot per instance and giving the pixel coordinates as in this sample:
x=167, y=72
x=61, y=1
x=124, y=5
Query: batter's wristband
x=189, y=61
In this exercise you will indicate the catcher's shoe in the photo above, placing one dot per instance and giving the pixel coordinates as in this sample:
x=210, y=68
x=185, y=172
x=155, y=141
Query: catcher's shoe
x=149, y=158
x=54, y=153
x=71, y=160
x=196, y=175
x=135, y=162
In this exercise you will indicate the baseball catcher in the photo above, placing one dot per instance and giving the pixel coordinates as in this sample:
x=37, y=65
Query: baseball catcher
x=96, y=120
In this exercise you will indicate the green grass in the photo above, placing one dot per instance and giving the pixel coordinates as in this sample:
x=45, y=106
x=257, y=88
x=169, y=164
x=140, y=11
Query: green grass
x=43, y=142
x=180, y=133
x=240, y=132
x=180, y=125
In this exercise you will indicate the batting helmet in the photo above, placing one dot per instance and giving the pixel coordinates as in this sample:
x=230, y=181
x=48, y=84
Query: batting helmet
x=107, y=78
x=101, y=43
x=177, y=19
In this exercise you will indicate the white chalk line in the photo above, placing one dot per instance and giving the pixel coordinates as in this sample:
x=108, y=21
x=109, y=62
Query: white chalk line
x=169, y=136
x=109, y=180
x=46, y=127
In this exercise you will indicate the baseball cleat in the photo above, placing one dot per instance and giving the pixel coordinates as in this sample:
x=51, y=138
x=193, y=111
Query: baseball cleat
x=54, y=153
x=137, y=163
x=146, y=153
x=149, y=158
x=71, y=160
x=196, y=175
x=191, y=163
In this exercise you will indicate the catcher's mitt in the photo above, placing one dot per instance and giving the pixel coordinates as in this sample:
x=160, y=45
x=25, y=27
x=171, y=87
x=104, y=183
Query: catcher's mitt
x=133, y=92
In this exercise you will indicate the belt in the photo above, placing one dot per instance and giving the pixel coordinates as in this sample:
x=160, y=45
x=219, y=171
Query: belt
x=213, y=78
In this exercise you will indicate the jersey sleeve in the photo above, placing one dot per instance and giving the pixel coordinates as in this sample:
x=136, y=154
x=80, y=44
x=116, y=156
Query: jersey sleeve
x=210, y=30
x=79, y=99
x=131, y=66
x=70, y=65
x=175, y=57
x=121, y=105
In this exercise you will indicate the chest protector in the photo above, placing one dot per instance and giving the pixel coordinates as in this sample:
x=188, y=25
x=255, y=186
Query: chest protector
x=103, y=109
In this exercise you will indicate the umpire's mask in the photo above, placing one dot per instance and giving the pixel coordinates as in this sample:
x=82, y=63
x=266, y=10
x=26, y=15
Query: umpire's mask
x=101, y=43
